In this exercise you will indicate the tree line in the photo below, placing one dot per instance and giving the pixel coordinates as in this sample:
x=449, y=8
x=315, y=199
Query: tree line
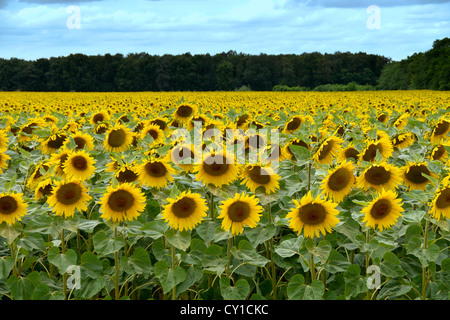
x=226, y=71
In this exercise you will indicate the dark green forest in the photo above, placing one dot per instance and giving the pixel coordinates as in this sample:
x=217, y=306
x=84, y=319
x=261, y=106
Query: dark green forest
x=229, y=71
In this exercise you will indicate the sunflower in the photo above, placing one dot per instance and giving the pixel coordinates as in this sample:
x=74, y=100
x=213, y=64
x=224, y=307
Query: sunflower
x=99, y=117
x=43, y=188
x=79, y=165
x=127, y=173
x=440, y=131
x=440, y=205
x=273, y=153
x=383, y=211
x=293, y=124
x=155, y=173
x=53, y=143
x=401, y=121
x=154, y=131
x=184, y=112
x=217, y=168
x=118, y=139
x=313, y=216
x=349, y=153
x=3, y=161
x=124, y=202
x=255, y=176
x=287, y=150
x=39, y=171
x=185, y=211
x=383, y=146
x=59, y=159
x=413, y=178
x=380, y=176
x=183, y=155
x=82, y=140
x=439, y=152
x=67, y=196
x=240, y=211
x=3, y=140
x=403, y=140
x=339, y=182
x=327, y=149
x=12, y=207
x=26, y=131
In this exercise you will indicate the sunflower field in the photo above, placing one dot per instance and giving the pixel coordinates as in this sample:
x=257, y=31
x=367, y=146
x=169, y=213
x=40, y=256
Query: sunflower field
x=225, y=196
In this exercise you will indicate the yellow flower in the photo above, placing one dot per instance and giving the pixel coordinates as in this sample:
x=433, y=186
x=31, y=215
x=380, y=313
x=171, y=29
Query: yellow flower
x=379, y=176
x=255, y=176
x=339, y=182
x=155, y=173
x=185, y=211
x=313, y=216
x=384, y=211
x=121, y=203
x=68, y=196
x=240, y=211
x=12, y=207
x=79, y=165
x=217, y=168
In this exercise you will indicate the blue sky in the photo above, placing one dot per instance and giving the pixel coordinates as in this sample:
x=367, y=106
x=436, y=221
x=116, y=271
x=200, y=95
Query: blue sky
x=32, y=29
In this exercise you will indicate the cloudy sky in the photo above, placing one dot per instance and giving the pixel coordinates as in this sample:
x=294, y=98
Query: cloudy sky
x=32, y=29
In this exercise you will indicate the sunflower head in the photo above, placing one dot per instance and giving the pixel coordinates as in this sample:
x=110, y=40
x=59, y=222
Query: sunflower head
x=67, y=196
x=339, y=182
x=440, y=208
x=217, y=168
x=12, y=207
x=384, y=211
x=118, y=139
x=379, y=176
x=155, y=173
x=240, y=211
x=255, y=176
x=185, y=112
x=121, y=203
x=413, y=175
x=313, y=216
x=328, y=149
x=185, y=211
x=79, y=165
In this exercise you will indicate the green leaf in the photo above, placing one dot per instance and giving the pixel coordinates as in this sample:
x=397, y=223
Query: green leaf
x=41, y=292
x=105, y=245
x=10, y=233
x=91, y=264
x=248, y=254
x=256, y=236
x=62, y=261
x=140, y=260
x=239, y=291
x=336, y=262
x=298, y=290
x=88, y=225
x=393, y=289
x=207, y=229
x=180, y=240
x=155, y=229
x=32, y=241
x=390, y=266
x=290, y=247
x=21, y=288
x=90, y=287
x=354, y=282
x=322, y=250
x=169, y=277
x=6, y=266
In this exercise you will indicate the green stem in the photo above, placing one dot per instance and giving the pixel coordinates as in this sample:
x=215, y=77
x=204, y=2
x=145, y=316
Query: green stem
x=309, y=175
x=174, y=290
x=116, y=269
x=272, y=262
x=424, y=269
x=63, y=251
x=211, y=207
x=312, y=267
x=368, y=293
x=229, y=244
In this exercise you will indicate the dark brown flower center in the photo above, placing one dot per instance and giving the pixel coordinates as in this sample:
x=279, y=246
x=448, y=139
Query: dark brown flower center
x=80, y=142
x=69, y=193
x=153, y=133
x=312, y=213
x=414, y=174
x=259, y=175
x=238, y=211
x=120, y=201
x=380, y=209
x=126, y=175
x=184, y=207
x=441, y=128
x=8, y=205
x=443, y=200
x=79, y=162
x=377, y=175
x=155, y=169
x=57, y=142
x=184, y=111
x=215, y=167
x=351, y=153
x=438, y=152
x=327, y=146
x=339, y=179
x=116, y=138
x=294, y=124
x=98, y=118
